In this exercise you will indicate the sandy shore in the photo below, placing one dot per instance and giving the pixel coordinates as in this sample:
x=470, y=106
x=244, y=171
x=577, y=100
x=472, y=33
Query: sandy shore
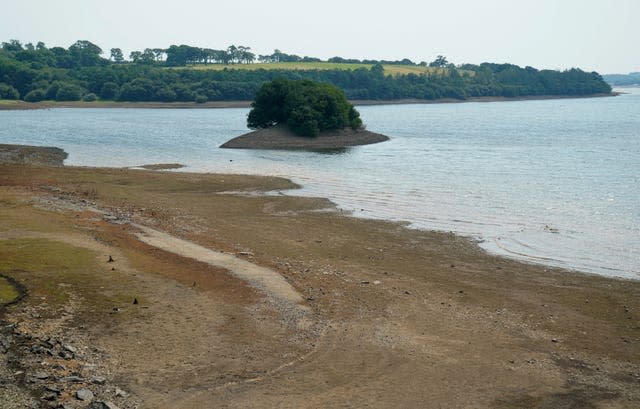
x=21, y=105
x=353, y=312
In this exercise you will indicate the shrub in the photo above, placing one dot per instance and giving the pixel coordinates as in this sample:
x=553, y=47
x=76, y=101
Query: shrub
x=69, y=92
x=201, y=99
x=90, y=97
x=36, y=95
x=8, y=92
x=52, y=90
x=109, y=90
x=166, y=95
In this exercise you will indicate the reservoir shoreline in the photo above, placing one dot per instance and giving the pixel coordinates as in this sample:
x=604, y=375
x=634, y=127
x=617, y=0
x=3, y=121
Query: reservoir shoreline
x=8, y=105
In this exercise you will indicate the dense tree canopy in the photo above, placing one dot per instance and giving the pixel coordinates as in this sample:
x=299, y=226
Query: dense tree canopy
x=307, y=107
x=36, y=73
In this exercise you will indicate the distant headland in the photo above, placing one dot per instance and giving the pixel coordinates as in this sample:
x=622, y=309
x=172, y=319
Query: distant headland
x=182, y=74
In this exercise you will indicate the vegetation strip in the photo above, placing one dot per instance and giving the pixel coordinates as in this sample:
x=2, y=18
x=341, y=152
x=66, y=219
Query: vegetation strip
x=37, y=73
x=11, y=290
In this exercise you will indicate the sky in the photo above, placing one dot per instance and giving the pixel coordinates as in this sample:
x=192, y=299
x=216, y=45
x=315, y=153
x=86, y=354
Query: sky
x=594, y=35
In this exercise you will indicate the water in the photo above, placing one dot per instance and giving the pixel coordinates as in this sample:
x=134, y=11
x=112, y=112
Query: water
x=555, y=182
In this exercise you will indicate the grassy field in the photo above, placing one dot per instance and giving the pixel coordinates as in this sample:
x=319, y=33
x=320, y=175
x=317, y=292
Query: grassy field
x=395, y=69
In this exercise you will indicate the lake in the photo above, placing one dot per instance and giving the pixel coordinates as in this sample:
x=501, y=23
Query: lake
x=554, y=182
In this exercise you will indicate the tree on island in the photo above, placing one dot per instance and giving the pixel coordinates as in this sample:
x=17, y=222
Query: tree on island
x=305, y=106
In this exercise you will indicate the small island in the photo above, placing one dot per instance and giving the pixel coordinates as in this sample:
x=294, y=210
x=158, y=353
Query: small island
x=302, y=114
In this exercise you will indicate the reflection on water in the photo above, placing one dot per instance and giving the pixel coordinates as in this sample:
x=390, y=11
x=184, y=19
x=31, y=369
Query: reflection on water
x=547, y=181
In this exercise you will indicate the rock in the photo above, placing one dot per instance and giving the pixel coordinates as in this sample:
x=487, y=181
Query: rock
x=120, y=393
x=70, y=348
x=84, y=395
x=377, y=282
x=49, y=396
x=102, y=405
x=554, y=339
x=364, y=282
x=111, y=260
x=245, y=253
x=41, y=375
x=53, y=389
x=72, y=378
x=99, y=380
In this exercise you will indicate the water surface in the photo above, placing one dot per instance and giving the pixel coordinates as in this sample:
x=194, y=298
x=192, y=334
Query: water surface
x=553, y=181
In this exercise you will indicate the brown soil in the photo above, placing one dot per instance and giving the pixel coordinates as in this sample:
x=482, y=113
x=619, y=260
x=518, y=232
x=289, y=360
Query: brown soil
x=281, y=137
x=389, y=317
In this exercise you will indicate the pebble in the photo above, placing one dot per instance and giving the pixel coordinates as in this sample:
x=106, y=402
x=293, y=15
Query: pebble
x=120, y=393
x=84, y=395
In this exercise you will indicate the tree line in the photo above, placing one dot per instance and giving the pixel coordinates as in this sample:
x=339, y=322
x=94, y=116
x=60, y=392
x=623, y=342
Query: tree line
x=623, y=80
x=35, y=73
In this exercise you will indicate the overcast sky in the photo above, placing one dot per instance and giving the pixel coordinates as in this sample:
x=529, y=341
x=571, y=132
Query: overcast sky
x=600, y=35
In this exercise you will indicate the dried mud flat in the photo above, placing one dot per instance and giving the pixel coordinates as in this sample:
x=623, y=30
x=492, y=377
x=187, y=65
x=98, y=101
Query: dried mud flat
x=355, y=313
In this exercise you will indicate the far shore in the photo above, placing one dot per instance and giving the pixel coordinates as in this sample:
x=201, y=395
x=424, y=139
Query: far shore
x=8, y=105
